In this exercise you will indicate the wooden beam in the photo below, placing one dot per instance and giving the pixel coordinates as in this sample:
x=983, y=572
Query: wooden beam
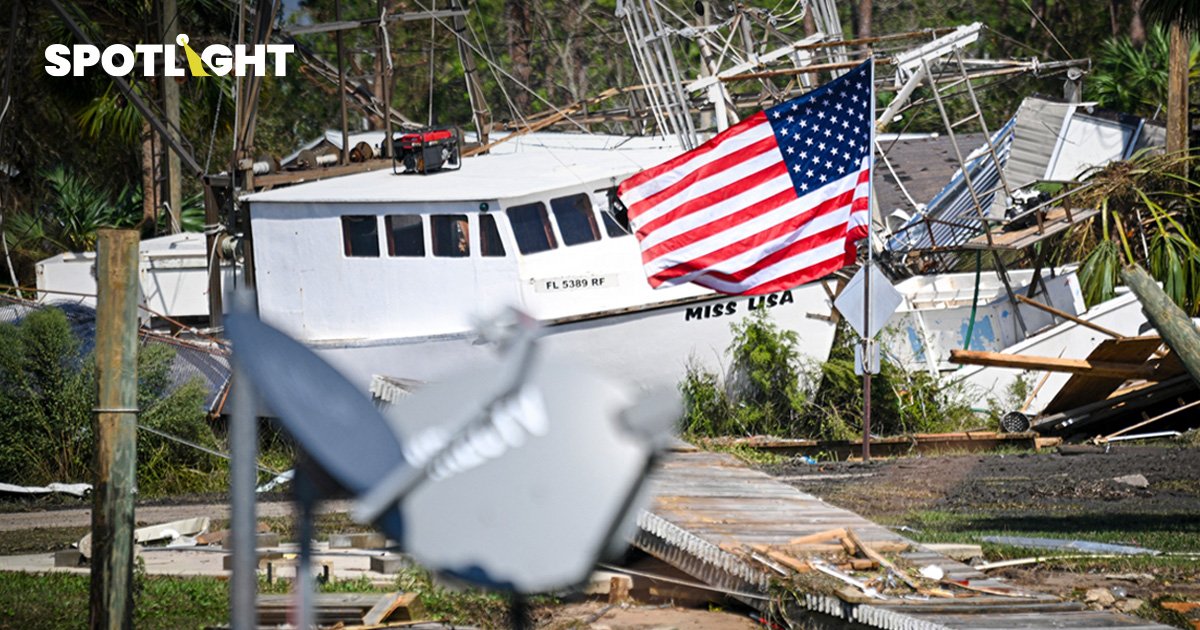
x=1052, y=364
x=116, y=429
x=1172, y=323
x=1071, y=318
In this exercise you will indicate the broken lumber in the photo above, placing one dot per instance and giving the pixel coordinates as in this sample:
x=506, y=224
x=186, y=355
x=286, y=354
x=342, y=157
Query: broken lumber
x=795, y=564
x=819, y=537
x=394, y=607
x=1127, y=371
x=1172, y=323
x=836, y=548
x=882, y=561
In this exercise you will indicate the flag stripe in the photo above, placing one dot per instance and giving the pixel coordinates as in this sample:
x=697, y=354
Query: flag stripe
x=831, y=214
x=696, y=212
x=774, y=201
x=735, y=227
x=707, y=177
x=728, y=142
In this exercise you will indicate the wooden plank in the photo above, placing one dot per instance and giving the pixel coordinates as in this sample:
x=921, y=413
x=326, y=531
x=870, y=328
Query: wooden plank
x=1055, y=222
x=1083, y=389
x=394, y=607
x=882, y=561
x=818, y=537
x=1176, y=327
x=1124, y=371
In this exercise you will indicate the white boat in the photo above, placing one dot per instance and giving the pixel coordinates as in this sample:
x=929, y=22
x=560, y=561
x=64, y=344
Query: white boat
x=386, y=274
x=935, y=316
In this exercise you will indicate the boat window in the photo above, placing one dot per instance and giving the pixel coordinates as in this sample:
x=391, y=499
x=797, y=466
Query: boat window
x=576, y=222
x=531, y=226
x=616, y=217
x=360, y=235
x=451, y=236
x=406, y=235
x=489, y=237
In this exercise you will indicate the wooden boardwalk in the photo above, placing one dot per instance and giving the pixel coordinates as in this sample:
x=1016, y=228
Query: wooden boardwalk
x=710, y=512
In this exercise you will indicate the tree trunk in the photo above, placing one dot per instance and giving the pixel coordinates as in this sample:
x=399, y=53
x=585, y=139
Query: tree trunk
x=1113, y=23
x=863, y=17
x=1177, y=91
x=149, y=178
x=1137, y=28
x=518, y=16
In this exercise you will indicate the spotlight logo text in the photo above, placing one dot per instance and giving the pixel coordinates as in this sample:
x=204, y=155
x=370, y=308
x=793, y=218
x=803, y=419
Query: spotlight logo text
x=154, y=60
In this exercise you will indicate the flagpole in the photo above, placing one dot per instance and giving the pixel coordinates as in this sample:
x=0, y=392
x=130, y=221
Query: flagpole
x=866, y=352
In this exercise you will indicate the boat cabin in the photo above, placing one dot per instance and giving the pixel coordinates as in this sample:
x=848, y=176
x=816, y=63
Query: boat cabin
x=380, y=255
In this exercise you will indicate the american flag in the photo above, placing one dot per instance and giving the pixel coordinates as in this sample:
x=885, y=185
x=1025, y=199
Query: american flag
x=770, y=203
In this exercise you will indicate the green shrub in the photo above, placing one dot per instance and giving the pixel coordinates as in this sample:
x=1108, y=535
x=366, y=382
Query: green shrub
x=47, y=394
x=770, y=391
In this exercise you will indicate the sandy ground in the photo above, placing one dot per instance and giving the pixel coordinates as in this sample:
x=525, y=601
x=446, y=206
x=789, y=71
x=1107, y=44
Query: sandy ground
x=67, y=516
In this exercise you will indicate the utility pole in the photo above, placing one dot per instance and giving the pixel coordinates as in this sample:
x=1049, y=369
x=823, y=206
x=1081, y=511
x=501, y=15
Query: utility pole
x=116, y=430
x=1177, y=90
x=169, y=20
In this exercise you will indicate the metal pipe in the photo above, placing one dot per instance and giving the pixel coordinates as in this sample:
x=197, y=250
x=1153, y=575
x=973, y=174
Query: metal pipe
x=243, y=477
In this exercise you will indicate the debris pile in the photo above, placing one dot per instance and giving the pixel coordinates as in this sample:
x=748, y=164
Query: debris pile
x=865, y=574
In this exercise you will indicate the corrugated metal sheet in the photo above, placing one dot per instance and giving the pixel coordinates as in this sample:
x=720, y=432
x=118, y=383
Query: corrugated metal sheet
x=1038, y=123
x=956, y=219
x=1041, y=134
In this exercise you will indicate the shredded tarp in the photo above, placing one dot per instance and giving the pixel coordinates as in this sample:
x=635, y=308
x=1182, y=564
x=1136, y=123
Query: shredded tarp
x=74, y=489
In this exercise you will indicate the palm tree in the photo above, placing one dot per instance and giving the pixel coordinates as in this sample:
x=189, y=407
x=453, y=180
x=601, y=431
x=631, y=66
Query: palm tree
x=1131, y=78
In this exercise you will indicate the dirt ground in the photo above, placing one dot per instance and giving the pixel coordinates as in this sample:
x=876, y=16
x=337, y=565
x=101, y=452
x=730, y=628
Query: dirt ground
x=1022, y=486
x=600, y=616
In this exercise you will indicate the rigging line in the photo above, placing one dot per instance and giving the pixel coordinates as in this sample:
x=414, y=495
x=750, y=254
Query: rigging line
x=512, y=108
x=1048, y=31
x=489, y=60
x=432, y=26
x=896, y=178
x=699, y=32
x=212, y=140
x=1017, y=42
x=204, y=449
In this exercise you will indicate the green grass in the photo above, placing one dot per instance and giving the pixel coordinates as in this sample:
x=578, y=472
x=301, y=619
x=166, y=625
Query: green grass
x=1167, y=533
x=60, y=600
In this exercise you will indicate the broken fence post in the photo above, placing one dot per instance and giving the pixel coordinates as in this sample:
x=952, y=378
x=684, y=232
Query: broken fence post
x=1175, y=327
x=116, y=429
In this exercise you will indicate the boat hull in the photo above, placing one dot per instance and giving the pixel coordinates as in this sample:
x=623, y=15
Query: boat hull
x=650, y=346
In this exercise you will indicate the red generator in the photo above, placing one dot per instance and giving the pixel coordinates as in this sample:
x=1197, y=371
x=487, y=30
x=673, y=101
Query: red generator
x=427, y=150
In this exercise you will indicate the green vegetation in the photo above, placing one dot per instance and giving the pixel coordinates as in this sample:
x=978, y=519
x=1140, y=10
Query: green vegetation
x=1148, y=215
x=1133, y=79
x=48, y=391
x=60, y=600
x=770, y=391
